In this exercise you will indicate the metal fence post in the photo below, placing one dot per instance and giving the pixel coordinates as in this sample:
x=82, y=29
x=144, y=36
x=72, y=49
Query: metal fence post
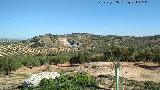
x=117, y=76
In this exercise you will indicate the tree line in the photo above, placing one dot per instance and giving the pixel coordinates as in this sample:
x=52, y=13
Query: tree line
x=110, y=53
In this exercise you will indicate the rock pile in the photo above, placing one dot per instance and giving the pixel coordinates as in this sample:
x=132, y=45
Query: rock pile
x=35, y=79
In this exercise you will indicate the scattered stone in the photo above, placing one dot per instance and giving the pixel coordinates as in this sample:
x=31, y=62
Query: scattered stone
x=35, y=79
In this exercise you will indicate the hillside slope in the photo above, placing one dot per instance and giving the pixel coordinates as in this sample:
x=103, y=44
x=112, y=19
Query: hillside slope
x=50, y=44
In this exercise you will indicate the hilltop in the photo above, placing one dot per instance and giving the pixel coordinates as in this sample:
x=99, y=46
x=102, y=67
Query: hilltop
x=94, y=40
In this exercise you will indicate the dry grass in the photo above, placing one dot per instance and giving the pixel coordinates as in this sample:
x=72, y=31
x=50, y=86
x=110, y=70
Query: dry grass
x=12, y=81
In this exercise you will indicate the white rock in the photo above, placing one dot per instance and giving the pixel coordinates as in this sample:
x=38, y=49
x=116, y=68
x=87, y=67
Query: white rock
x=35, y=79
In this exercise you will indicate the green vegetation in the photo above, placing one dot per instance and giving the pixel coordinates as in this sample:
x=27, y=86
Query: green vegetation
x=73, y=81
x=50, y=49
x=9, y=64
x=48, y=43
x=109, y=53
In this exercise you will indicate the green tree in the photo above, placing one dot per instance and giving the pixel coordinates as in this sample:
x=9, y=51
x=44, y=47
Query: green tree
x=128, y=53
x=10, y=64
x=80, y=57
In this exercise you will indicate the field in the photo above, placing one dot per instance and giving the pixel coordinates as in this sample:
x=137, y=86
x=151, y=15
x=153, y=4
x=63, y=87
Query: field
x=131, y=71
x=96, y=55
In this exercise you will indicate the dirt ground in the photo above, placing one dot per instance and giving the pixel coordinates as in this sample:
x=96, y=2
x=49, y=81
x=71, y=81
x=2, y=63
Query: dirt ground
x=133, y=71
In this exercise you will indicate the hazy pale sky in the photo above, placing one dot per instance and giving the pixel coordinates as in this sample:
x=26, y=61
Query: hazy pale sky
x=27, y=18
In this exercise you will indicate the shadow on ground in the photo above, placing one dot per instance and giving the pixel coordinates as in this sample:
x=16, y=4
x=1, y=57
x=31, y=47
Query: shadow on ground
x=148, y=67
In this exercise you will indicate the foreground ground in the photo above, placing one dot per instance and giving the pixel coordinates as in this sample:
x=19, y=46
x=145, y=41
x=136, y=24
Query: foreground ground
x=132, y=71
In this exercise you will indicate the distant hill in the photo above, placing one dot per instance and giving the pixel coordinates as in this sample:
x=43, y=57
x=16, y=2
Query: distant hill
x=49, y=43
x=86, y=40
x=91, y=39
x=9, y=40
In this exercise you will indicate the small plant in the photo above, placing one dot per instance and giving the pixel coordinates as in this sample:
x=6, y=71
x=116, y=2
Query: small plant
x=94, y=66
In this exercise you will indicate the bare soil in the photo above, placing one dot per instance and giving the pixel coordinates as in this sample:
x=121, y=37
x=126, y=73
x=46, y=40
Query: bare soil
x=134, y=71
x=138, y=71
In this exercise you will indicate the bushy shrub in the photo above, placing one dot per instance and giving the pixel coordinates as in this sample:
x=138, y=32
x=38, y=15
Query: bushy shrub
x=80, y=57
x=59, y=59
x=149, y=85
x=51, y=60
x=77, y=81
x=74, y=59
x=43, y=60
x=30, y=61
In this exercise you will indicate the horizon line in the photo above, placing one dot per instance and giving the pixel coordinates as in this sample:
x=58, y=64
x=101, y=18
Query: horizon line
x=12, y=38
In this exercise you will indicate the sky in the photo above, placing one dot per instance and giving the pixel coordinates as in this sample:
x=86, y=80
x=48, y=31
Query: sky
x=24, y=19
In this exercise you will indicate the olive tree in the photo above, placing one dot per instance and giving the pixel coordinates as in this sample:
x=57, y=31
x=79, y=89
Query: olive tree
x=10, y=64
